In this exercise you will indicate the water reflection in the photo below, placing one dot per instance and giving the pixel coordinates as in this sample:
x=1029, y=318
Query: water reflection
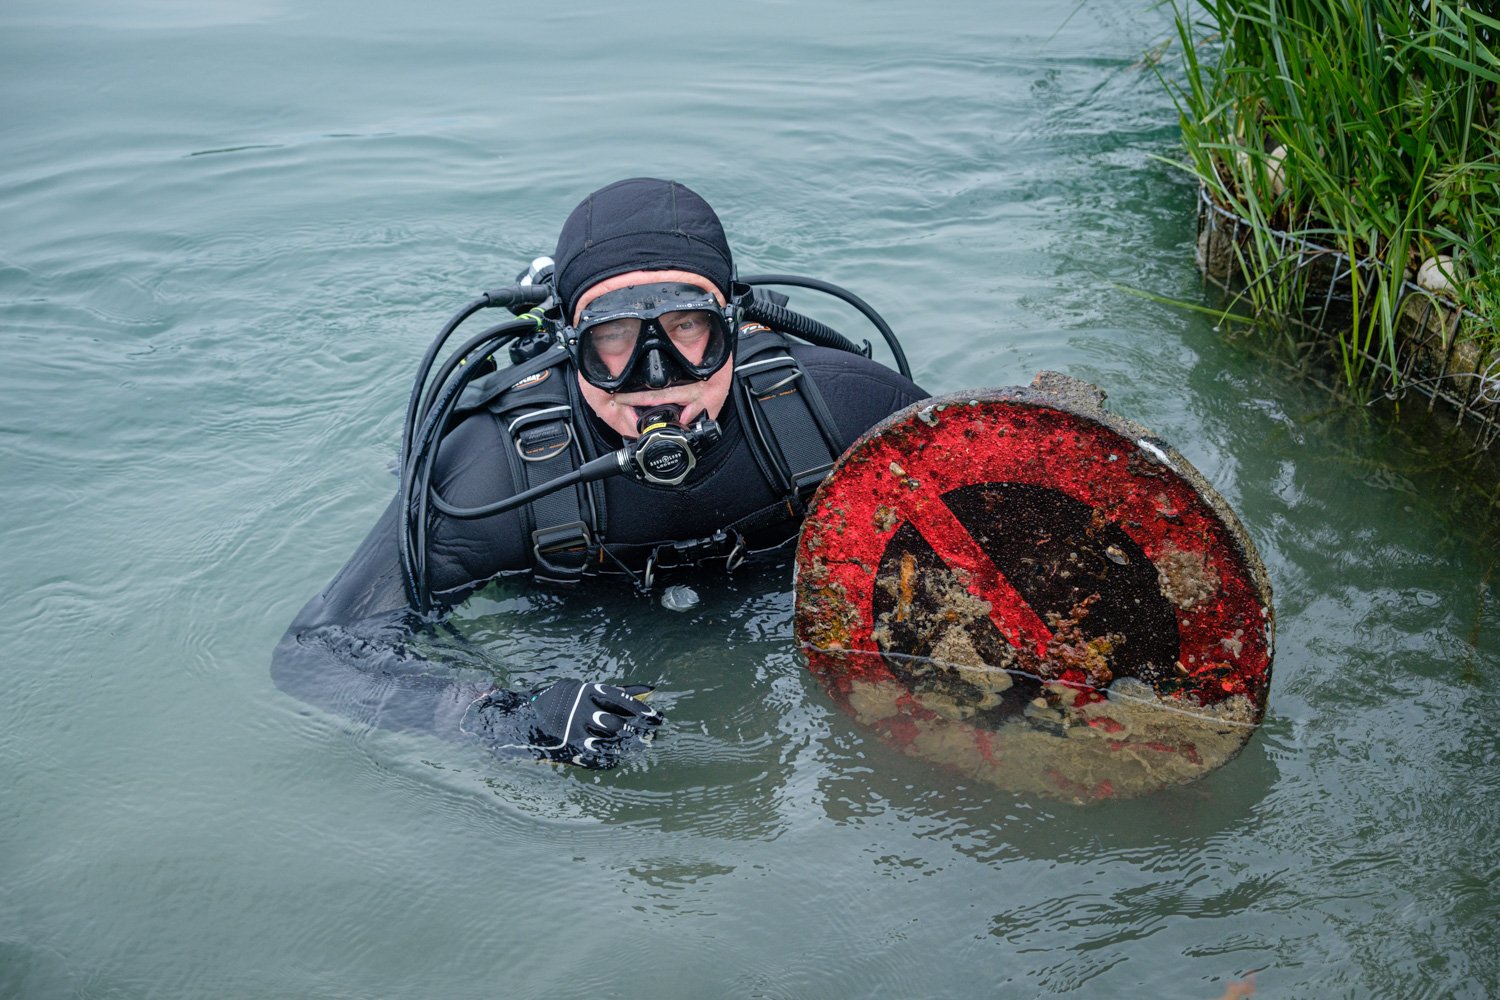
x=1080, y=744
x=738, y=719
x=869, y=780
x=753, y=749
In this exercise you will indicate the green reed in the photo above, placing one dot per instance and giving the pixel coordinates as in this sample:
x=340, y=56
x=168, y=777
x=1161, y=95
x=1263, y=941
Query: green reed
x=1365, y=126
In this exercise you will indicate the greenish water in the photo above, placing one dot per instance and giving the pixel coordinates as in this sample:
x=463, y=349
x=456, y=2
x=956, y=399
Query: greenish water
x=228, y=230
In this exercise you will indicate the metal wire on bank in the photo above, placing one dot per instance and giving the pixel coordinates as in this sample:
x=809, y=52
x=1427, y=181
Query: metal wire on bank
x=1442, y=350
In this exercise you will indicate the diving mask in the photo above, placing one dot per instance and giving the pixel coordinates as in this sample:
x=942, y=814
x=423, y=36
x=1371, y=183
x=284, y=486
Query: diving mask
x=650, y=336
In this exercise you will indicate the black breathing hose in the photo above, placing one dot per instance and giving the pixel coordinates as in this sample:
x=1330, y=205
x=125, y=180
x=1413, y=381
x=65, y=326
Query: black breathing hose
x=409, y=427
x=513, y=295
x=809, y=329
x=864, y=307
x=416, y=468
x=428, y=412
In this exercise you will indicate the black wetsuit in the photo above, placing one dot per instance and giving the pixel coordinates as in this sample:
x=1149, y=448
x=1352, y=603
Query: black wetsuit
x=344, y=650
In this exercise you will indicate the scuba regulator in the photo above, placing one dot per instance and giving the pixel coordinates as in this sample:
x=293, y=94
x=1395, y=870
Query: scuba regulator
x=663, y=454
x=664, y=451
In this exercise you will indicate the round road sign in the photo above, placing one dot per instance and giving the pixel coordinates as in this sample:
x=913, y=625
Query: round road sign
x=1020, y=585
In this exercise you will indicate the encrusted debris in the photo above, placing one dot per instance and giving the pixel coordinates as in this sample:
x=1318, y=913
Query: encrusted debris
x=1186, y=578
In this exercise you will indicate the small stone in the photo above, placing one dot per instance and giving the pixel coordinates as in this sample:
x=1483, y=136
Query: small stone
x=1439, y=274
x=1276, y=169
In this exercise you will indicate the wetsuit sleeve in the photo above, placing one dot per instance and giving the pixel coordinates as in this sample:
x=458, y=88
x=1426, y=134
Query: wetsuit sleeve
x=352, y=650
x=359, y=650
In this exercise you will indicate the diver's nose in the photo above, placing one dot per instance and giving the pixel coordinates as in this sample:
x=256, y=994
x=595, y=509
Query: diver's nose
x=656, y=370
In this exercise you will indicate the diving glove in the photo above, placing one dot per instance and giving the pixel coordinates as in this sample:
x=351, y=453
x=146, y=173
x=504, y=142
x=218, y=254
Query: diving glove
x=570, y=722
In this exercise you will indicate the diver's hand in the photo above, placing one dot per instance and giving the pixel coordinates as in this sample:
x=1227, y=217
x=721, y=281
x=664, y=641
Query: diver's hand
x=591, y=725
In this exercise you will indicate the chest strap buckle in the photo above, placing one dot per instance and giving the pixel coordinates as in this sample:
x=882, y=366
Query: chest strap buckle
x=561, y=551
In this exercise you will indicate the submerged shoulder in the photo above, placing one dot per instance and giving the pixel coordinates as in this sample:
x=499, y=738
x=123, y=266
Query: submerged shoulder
x=858, y=391
x=829, y=365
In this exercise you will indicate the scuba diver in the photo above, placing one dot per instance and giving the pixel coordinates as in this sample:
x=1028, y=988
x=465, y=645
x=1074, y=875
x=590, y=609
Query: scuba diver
x=655, y=412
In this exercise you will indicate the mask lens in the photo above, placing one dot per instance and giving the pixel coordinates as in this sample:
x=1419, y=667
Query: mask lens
x=699, y=338
x=605, y=350
x=648, y=336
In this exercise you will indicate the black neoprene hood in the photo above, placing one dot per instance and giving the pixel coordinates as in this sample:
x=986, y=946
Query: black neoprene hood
x=640, y=224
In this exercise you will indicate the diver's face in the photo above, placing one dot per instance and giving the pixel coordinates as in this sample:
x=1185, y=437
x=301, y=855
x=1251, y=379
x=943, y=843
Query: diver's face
x=621, y=410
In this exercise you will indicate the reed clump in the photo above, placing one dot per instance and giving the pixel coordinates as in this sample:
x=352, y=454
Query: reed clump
x=1356, y=144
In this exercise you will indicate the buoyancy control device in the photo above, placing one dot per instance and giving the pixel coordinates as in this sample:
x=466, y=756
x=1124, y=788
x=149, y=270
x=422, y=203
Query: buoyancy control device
x=790, y=430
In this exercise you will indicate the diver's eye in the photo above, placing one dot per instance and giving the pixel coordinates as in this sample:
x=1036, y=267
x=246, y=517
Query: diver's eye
x=616, y=337
x=686, y=327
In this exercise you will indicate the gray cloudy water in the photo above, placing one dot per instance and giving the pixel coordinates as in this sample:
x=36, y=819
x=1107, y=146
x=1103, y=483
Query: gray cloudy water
x=227, y=232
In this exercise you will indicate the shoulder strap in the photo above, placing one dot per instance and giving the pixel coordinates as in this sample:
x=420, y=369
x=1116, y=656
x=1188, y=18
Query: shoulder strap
x=535, y=407
x=785, y=418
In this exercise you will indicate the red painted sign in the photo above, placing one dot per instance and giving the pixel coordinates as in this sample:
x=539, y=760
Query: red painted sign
x=1035, y=591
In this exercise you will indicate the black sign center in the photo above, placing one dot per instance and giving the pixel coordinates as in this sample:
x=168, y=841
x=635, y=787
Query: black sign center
x=1084, y=577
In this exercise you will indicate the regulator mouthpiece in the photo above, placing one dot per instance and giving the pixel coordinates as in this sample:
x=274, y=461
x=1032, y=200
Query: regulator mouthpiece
x=665, y=451
x=661, y=415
